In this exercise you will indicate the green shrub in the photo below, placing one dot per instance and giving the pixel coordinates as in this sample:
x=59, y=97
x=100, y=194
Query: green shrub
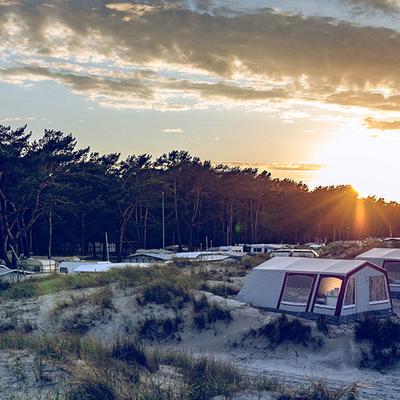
x=78, y=323
x=154, y=329
x=206, y=378
x=131, y=351
x=102, y=298
x=164, y=292
x=220, y=290
x=200, y=321
x=322, y=325
x=92, y=384
x=383, y=337
x=205, y=313
x=282, y=330
x=319, y=390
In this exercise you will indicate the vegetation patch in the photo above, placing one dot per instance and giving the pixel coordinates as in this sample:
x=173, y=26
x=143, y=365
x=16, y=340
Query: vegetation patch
x=319, y=390
x=383, y=338
x=126, y=370
x=282, y=330
x=206, y=314
x=220, y=290
x=169, y=292
x=158, y=329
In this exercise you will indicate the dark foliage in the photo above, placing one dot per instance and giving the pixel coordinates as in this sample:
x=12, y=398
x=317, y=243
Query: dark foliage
x=65, y=198
x=282, y=330
x=157, y=329
x=383, y=337
x=220, y=290
x=322, y=324
x=165, y=292
x=205, y=314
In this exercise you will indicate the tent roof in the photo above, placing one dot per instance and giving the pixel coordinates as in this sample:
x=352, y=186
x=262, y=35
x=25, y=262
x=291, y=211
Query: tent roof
x=107, y=266
x=390, y=254
x=311, y=265
x=158, y=256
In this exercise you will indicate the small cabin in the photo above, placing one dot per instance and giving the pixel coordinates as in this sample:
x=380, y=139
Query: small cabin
x=340, y=290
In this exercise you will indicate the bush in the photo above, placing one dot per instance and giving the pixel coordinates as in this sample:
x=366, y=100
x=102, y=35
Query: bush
x=322, y=325
x=206, y=313
x=165, y=291
x=131, y=351
x=283, y=330
x=319, y=390
x=92, y=384
x=220, y=290
x=102, y=298
x=154, y=329
x=384, y=342
x=78, y=323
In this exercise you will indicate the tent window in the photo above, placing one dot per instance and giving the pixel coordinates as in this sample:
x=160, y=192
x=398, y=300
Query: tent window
x=297, y=289
x=377, y=289
x=328, y=292
x=350, y=298
x=393, y=269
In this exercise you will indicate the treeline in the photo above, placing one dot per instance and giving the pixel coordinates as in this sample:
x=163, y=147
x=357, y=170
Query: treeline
x=57, y=198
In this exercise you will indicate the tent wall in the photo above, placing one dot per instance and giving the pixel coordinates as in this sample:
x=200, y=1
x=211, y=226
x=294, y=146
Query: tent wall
x=262, y=288
x=362, y=290
x=383, y=263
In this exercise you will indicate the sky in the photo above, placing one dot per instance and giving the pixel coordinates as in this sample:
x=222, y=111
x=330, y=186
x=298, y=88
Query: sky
x=309, y=90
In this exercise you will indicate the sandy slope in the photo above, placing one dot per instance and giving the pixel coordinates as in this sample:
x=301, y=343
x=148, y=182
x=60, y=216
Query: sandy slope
x=337, y=361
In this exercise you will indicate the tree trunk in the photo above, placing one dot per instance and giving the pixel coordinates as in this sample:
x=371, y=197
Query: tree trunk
x=83, y=235
x=50, y=235
x=178, y=231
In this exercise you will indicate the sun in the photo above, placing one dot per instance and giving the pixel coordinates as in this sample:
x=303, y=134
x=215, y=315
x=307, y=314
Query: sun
x=364, y=158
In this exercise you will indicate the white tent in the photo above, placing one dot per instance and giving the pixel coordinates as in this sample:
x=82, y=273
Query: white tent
x=39, y=265
x=106, y=266
x=338, y=289
x=205, y=256
x=88, y=267
x=389, y=259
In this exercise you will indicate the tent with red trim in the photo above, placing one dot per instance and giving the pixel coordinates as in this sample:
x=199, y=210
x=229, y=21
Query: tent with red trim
x=389, y=259
x=338, y=289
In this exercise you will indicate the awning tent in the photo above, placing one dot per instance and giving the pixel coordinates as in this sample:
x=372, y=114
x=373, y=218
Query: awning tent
x=338, y=289
x=389, y=259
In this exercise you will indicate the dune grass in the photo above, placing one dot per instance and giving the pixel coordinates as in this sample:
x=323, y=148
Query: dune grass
x=123, y=278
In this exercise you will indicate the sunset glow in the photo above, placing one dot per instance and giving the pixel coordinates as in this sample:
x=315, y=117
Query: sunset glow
x=275, y=85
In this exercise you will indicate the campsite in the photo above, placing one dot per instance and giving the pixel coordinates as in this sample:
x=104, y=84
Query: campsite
x=199, y=200
x=202, y=311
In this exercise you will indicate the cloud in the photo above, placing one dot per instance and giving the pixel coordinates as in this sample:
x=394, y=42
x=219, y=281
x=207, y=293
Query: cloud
x=135, y=10
x=295, y=167
x=372, y=123
x=165, y=56
x=173, y=130
x=368, y=6
x=289, y=167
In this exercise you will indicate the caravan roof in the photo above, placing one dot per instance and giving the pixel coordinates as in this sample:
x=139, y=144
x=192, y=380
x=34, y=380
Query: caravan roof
x=387, y=253
x=311, y=265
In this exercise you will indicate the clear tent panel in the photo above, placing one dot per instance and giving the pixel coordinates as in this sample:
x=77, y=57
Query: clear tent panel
x=297, y=289
x=328, y=292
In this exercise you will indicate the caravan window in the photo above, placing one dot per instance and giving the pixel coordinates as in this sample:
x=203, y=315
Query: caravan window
x=350, y=298
x=297, y=289
x=328, y=292
x=393, y=269
x=377, y=289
